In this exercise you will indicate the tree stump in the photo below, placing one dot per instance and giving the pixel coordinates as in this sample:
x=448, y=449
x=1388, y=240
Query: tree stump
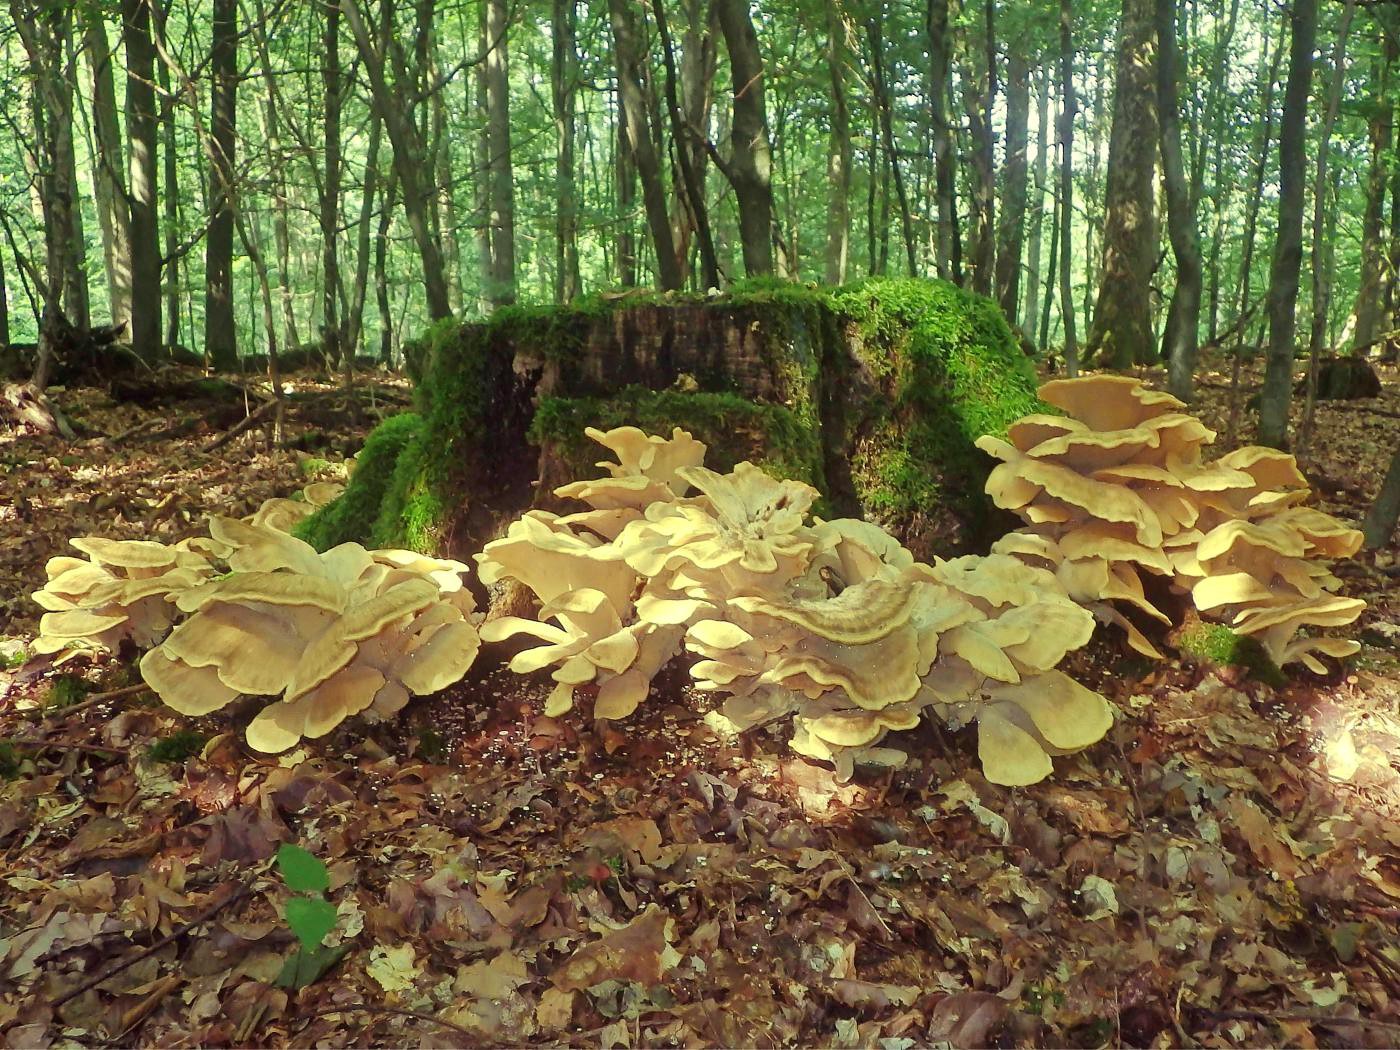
x=873, y=393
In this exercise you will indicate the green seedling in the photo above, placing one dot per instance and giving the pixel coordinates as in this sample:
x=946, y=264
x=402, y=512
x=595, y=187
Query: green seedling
x=66, y=690
x=309, y=916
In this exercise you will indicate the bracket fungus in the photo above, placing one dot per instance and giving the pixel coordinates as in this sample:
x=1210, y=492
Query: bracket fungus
x=120, y=591
x=1119, y=487
x=327, y=636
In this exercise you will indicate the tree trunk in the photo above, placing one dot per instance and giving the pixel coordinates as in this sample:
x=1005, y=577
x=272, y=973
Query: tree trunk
x=329, y=210
x=568, y=284
x=387, y=348
x=948, y=251
x=626, y=198
x=1121, y=333
x=173, y=259
x=1368, y=313
x=1380, y=521
x=1033, y=244
x=882, y=105
x=499, y=173
x=1184, y=315
x=109, y=181
x=1277, y=392
x=407, y=143
x=979, y=96
x=750, y=166
x=355, y=318
x=838, y=150
x=1013, y=184
x=220, y=330
x=690, y=180
x=1321, y=258
x=640, y=146
x=1067, y=184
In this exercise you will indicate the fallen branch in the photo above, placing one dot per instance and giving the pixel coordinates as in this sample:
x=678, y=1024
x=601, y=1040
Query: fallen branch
x=93, y=701
x=146, y=952
x=1297, y=1015
x=70, y=745
x=246, y=423
x=395, y=1011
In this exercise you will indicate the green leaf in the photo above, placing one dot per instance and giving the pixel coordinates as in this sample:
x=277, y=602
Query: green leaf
x=310, y=918
x=301, y=871
x=304, y=967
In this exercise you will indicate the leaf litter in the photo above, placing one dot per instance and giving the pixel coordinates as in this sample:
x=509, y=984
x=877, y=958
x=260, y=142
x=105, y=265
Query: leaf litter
x=1224, y=869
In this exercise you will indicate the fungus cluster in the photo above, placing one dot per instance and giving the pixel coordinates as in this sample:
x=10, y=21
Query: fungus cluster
x=327, y=636
x=830, y=622
x=1119, y=486
x=120, y=591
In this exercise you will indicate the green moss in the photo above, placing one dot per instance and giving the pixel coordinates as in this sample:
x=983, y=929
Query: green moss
x=956, y=373
x=352, y=517
x=733, y=428
x=179, y=746
x=1217, y=645
x=313, y=465
x=65, y=690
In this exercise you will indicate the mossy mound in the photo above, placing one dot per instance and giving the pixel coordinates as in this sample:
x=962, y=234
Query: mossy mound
x=872, y=392
x=1216, y=645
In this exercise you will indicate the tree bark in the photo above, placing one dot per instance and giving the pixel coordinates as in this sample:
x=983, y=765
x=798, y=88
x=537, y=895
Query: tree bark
x=1013, y=184
x=640, y=146
x=172, y=259
x=220, y=329
x=948, y=251
x=979, y=94
x=141, y=138
x=1381, y=519
x=1184, y=315
x=1037, y=210
x=500, y=175
x=355, y=319
x=1277, y=391
x=883, y=107
x=750, y=168
x=568, y=284
x=1121, y=333
x=1067, y=184
x=1369, y=310
x=109, y=181
x=838, y=150
x=332, y=335
x=690, y=180
x=407, y=143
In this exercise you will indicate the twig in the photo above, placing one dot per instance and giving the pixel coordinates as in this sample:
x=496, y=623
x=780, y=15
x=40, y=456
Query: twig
x=71, y=745
x=365, y=1008
x=203, y=917
x=92, y=701
x=1298, y=1015
x=248, y=421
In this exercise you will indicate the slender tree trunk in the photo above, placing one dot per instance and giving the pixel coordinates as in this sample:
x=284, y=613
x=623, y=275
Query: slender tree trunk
x=948, y=254
x=1380, y=521
x=838, y=150
x=626, y=199
x=220, y=330
x=388, y=350
x=355, y=319
x=690, y=179
x=407, y=143
x=109, y=179
x=750, y=166
x=979, y=93
x=1051, y=272
x=1013, y=184
x=1368, y=312
x=500, y=174
x=640, y=145
x=882, y=105
x=1121, y=333
x=1320, y=256
x=1277, y=392
x=568, y=283
x=329, y=209
x=141, y=138
x=1067, y=183
x=1033, y=245
x=1184, y=315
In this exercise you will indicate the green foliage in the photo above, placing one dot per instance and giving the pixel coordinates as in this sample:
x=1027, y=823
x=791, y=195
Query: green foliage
x=352, y=516
x=177, y=747
x=1215, y=644
x=313, y=465
x=13, y=653
x=309, y=916
x=11, y=761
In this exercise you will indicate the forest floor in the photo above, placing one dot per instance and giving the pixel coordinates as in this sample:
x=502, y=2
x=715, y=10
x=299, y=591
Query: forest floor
x=1223, y=870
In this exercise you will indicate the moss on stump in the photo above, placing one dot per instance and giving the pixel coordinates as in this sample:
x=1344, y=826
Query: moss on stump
x=872, y=392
